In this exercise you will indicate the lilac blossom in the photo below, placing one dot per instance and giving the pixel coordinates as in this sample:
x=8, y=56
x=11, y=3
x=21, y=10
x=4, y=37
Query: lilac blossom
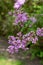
x=10, y=49
x=17, y=43
x=21, y=18
x=39, y=31
x=21, y=41
x=31, y=37
x=19, y=34
x=34, y=40
x=18, y=3
x=21, y=1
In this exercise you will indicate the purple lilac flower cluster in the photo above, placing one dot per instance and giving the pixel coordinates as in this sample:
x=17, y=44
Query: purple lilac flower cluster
x=16, y=43
x=21, y=41
x=18, y=3
x=20, y=18
x=39, y=31
x=31, y=37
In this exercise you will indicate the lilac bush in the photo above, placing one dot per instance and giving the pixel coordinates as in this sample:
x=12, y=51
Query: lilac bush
x=29, y=31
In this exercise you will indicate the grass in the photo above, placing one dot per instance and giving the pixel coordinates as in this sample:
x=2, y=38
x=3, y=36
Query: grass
x=4, y=61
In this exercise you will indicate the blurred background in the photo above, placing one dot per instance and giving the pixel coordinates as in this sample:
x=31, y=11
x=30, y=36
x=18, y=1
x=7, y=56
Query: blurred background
x=34, y=8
